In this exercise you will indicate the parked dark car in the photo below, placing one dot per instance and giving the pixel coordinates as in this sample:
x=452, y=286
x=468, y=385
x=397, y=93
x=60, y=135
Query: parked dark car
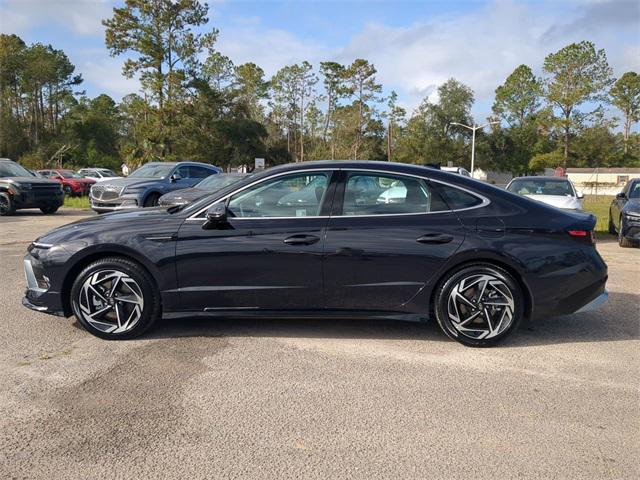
x=20, y=188
x=210, y=184
x=624, y=215
x=474, y=257
x=72, y=183
x=144, y=186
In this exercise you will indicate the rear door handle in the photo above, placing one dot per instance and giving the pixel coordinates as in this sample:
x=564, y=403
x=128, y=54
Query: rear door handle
x=437, y=238
x=301, y=240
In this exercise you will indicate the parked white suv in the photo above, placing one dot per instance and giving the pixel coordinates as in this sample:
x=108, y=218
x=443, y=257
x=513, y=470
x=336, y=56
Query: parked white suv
x=98, y=174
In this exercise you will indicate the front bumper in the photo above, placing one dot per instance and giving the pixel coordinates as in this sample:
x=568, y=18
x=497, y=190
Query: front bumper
x=113, y=205
x=38, y=296
x=38, y=199
x=631, y=229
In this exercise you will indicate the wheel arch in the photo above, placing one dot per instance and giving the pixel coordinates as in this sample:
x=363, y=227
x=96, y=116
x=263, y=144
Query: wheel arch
x=79, y=262
x=505, y=263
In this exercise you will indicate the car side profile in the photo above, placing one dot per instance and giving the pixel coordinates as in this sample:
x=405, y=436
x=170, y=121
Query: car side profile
x=145, y=185
x=472, y=257
x=624, y=215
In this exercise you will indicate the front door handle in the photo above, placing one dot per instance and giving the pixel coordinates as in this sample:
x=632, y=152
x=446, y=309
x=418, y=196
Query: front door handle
x=301, y=240
x=436, y=238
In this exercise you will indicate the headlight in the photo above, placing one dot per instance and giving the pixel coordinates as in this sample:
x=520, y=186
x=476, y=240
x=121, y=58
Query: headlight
x=635, y=216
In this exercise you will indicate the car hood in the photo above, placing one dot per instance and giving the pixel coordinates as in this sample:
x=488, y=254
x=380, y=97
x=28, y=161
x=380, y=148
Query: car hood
x=558, y=201
x=633, y=205
x=31, y=180
x=107, y=227
x=129, y=182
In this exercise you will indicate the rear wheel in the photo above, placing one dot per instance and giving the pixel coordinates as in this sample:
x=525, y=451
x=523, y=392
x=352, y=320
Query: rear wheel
x=151, y=200
x=7, y=207
x=479, y=305
x=115, y=298
x=612, y=227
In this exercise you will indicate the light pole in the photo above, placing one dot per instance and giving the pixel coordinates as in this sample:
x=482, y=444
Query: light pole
x=473, y=138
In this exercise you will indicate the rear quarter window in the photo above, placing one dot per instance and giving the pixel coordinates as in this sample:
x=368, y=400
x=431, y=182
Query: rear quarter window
x=458, y=199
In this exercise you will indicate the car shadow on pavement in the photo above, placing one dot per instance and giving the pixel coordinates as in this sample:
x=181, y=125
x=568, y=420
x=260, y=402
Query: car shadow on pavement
x=618, y=320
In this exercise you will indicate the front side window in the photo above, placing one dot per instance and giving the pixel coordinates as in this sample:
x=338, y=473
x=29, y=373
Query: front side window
x=634, y=190
x=388, y=194
x=295, y=195
x=199, y=172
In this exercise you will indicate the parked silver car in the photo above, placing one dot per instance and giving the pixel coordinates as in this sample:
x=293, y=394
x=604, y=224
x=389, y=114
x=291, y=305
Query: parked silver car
x=556, y=191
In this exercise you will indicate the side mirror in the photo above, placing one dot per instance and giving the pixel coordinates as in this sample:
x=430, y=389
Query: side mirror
x=621, y=195
x=216, y=216
x=175, y=177
x=580, y=194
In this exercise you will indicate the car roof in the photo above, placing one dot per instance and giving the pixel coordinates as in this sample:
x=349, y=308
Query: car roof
x=540, y=177
x=186, y=162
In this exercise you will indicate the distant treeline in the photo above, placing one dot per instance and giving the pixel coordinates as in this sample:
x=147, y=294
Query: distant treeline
x=214, y=111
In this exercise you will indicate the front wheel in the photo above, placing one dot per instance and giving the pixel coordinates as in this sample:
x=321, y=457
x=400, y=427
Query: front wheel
x=7, y=207
x=479, y=305
x=49, y=210
x=151, y=200
x=622, y=240
x=115, y=298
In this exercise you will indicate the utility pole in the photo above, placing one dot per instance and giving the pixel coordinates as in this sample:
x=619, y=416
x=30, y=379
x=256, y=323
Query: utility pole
x=473, y=139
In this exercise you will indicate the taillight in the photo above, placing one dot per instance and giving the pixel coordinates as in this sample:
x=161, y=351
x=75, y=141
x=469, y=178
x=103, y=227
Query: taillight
x=587, y=236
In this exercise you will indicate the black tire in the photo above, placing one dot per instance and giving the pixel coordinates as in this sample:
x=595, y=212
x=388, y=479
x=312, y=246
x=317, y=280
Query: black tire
x=49, y=210
x=150, y=311
x=151, y=200
x=622, y=241
x=7, y=206
x=612, y=227
x=503, y=280
x=67, y=190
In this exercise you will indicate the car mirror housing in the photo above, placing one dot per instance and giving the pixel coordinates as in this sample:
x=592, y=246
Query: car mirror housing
x=580, y=195
x=175, y=177
x=216, y=215
x=621, y=195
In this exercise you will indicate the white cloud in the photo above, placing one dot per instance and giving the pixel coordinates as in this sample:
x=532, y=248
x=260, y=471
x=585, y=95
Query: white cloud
x=81, y=16
x=271, y=49
x=106, y=74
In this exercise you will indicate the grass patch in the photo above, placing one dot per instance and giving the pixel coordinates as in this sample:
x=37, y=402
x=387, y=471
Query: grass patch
x=599, y=206
x=76, y=202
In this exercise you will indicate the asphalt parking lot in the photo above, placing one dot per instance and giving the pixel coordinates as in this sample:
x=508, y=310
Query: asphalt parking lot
x=317, y=399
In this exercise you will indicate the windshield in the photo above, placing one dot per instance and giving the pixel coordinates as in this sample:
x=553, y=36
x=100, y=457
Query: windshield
x=14, y=170
x=156, y=170
x=541, y=187
x=69, y=174
x=107, y=173
x=215, y=182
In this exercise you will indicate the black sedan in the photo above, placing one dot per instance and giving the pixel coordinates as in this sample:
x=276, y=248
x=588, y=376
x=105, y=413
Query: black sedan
x=624, y=215
x=210, y=184
x=474, y=257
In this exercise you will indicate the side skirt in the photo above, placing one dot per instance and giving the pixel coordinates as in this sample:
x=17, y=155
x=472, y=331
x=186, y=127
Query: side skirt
x=310, y=314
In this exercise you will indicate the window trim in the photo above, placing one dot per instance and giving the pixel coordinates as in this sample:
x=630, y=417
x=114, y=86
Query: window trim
x=485, y=201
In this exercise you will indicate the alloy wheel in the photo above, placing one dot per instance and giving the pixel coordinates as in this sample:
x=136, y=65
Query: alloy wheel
x=110, y=301
x=481, y=306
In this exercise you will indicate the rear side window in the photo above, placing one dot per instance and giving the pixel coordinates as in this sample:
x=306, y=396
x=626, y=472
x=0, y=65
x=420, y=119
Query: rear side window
x=388, y=194
x=458, y=199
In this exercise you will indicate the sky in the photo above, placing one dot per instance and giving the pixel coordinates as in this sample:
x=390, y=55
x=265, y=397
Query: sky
x=415, y=45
